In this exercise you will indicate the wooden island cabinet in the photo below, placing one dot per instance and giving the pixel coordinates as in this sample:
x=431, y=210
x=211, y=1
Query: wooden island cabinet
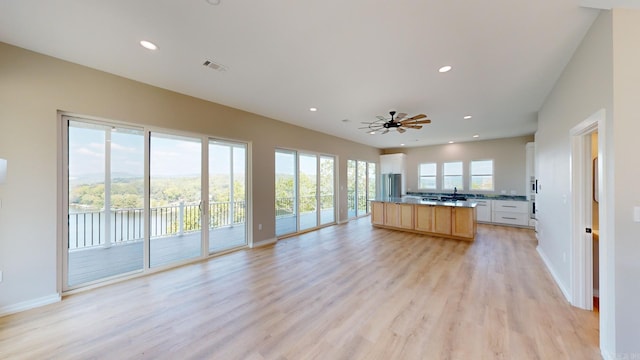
x=455, y=220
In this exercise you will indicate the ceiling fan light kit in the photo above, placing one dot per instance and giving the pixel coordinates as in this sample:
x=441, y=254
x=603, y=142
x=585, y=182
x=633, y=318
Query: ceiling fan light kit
x=396, y=122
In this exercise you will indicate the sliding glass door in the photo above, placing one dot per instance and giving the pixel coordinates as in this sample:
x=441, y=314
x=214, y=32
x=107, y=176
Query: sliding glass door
x=105, y=217
x=175, y=187
x=361, y=187
x=134, y=199
x=227, y=195
x=286, y=192
x=327, y=190
x=305, y=191
x=308, y=190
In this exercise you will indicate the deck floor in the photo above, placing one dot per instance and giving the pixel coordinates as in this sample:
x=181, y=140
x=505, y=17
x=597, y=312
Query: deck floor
x=96, y=263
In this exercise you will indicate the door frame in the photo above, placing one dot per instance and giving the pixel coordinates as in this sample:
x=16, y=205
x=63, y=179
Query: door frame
x=581, y=265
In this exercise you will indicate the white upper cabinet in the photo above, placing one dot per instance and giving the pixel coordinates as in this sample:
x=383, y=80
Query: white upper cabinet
x=392, y=163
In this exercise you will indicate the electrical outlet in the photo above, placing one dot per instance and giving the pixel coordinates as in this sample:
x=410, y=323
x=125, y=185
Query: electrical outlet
x=0, y=275
x=259, y=226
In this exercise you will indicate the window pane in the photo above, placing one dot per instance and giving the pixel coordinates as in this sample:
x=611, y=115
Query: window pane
x=483, y=167
x=428, y=169
x=452, y=181
x=105, y=212
x=227, y=188
x=453, y=168
x=482, y=175
x=286, y=201
x=351, y=188
x=482, y=182
x=327, y=212
x=452, y=175
x=427, y=182
x=175, y=189
x=308, y=190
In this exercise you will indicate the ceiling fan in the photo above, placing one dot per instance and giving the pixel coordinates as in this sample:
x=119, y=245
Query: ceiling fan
x=396, y=122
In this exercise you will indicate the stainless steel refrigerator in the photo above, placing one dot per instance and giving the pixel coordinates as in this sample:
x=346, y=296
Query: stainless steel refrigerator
x=391, y=185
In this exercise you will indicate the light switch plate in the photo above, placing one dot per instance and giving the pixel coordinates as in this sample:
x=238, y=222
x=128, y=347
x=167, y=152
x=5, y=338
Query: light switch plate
x=636, y=214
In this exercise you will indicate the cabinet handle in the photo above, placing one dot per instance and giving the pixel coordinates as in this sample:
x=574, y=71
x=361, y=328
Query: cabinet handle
x=509, y=206
x=509, y=218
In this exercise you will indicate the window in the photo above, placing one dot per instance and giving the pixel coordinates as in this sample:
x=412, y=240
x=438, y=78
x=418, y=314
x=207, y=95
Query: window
x=427, y=176
x=452, y=175
x=482, y=175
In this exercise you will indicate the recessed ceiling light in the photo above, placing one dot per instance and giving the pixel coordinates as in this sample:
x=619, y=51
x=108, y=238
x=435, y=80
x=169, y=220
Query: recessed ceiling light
x=476, y=136
x=313, y=109
x=148, y=45
x=445, y=69
x=401, y=144
x=345, y=120
x=451, y=142
x=467, y=117
x=372, y=132
x=213, y=2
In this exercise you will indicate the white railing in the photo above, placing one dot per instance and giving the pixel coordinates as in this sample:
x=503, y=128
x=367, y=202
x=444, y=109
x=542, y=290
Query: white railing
x=88, y=229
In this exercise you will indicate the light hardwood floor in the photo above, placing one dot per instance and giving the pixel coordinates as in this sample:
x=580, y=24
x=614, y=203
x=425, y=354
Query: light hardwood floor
x=344, y=292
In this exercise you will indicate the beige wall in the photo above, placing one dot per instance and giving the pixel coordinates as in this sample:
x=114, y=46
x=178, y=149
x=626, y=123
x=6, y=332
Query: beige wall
x=603, y=74
x=509, y=157
x=33, y=87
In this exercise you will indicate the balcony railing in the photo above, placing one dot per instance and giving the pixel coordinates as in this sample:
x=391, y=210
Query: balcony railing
x=87, y=229
x=285, y=206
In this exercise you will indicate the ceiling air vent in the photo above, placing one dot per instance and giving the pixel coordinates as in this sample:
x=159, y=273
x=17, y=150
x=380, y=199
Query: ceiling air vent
x=215, y=66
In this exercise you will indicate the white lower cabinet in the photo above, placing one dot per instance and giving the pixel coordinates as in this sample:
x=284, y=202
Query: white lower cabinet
x=510, y=212
x=483, y=210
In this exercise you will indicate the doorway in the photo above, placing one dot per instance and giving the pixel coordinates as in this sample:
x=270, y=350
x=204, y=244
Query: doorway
x=589, y=163
x=583, y=188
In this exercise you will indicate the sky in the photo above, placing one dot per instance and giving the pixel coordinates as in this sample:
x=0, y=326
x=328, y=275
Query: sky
x=170, y=155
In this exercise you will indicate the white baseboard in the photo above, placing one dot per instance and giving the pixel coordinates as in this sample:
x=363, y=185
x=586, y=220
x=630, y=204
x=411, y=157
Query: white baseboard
x=547, y=263
x=609, y=356
x=29, y=304
x=264, y=242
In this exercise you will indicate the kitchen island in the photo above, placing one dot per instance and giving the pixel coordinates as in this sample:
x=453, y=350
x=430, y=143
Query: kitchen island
x=449, y=219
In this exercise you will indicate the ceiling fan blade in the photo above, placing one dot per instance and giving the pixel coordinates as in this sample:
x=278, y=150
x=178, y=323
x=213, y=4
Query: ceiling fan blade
x=401, y=130
x=417, y=127
x=385, y=131
x=416, y=122
x=399, y=117
x=381, y=118
x=419, y=116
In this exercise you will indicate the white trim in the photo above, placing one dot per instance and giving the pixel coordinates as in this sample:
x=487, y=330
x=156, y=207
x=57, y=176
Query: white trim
x=553, y=273
x=264, y=242
x=581, y=257
x=578, y=272
x=30, y=304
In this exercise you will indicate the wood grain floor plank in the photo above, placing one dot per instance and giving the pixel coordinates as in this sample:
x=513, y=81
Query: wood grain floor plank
x=344, y=292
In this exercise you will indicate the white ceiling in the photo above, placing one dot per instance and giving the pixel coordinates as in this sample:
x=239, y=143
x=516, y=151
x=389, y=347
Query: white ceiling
x=351, y=59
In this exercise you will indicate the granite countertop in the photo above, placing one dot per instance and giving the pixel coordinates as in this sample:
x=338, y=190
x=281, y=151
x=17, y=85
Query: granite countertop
x=419, y=201
x=470, y=197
